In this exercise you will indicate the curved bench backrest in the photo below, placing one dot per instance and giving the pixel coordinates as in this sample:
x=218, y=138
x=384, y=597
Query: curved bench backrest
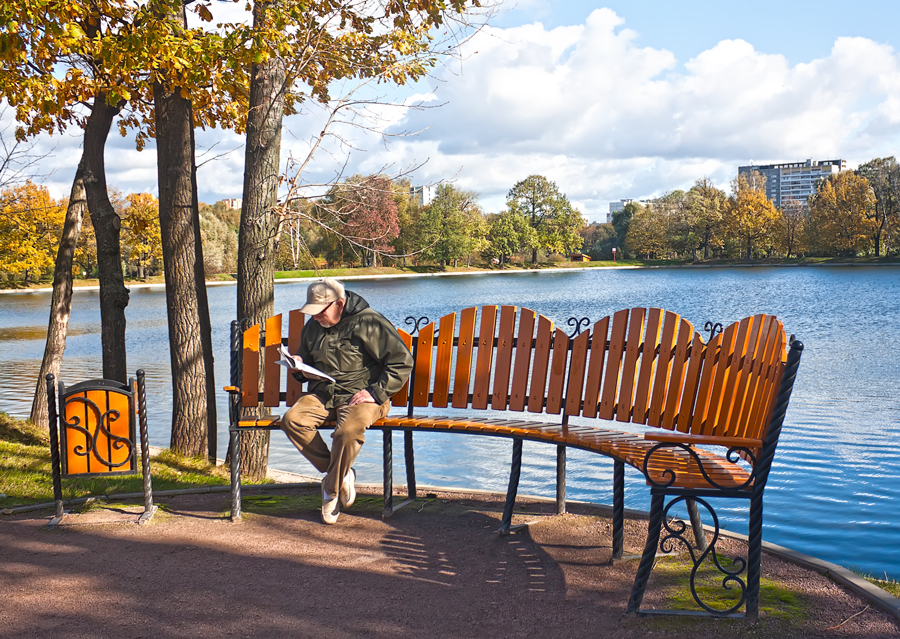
x=646, y=366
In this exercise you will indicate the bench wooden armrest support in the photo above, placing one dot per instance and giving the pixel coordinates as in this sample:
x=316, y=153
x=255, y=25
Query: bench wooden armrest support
x=645, y=366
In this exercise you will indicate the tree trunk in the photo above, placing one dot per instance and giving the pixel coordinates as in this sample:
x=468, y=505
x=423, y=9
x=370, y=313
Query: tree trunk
x=258, y=238
x=174, y=121
x=61, y=299
x=106, y=222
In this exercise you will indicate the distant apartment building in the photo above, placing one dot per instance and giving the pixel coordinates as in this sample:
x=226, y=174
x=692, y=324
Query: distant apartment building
x=422, y=194
x=794, y=180
x=232, y=203
x=618, y=206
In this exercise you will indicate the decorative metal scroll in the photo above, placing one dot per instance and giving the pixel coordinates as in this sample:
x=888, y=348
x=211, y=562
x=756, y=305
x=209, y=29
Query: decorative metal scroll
x=732, y=456
x=416, y=323
x=577, y=323
x=104, y=423
x=674, y=534
x=712, y=329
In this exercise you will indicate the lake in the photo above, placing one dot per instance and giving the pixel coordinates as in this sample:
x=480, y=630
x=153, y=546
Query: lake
x=834, y=490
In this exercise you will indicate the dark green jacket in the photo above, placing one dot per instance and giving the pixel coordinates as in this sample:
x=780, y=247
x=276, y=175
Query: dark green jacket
x=362, y=351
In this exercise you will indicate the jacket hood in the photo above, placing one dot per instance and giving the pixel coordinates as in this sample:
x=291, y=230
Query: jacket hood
x=353, y=305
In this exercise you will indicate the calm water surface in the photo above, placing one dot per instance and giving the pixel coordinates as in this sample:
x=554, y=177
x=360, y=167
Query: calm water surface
x=834, y=491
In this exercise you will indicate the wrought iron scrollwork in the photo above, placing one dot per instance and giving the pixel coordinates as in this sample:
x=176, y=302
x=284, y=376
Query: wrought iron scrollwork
x=104, y=421
x=245, y=324
x=577, y=323
x=712, y=329
x=669, y=474
x=674, y=530
x=416, y=323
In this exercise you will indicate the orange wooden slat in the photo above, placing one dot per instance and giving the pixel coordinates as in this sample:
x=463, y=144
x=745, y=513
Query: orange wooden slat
x=676, y=374
x=613, y=364
x=401, y=397
x=734, y=370
x=773, y=381
x=485, y=357
x=519, y=392
x=557, y=372
x=577, y=367
x=735, y=424
x=446, y=328
x=464, y=358
x=723, y=360
x=629, y=368
x=272, y=376
x=648, y=365
x=595, y=367
x=750, y=374
x=295, y=332
x=691, y=383
x=424, y=353
x=250, y=368
x=701, y=424
x=760, y=375
x=539, y=367
x=503, y=365
x=663, y=364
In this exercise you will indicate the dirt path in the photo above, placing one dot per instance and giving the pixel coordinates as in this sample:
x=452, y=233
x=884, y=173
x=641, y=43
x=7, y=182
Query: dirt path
x=436, y=569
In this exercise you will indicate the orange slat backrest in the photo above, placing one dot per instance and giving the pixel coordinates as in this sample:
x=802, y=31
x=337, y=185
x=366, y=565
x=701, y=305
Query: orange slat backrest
x=539, y=367
x=756, y=382
x=503, y=364
x=557, y=372
x=613, y=364
x=444, y=359
x=723, y=360
x=464, y=358
x=250, y=368
x=629, y=368
x=272, y=371
x=735, y=426
x=734, y=370
x=295, y=332
x=663, y=364
x=700, y=422
x=401, y=397
x=577, y=367
x=691, y=383
x=424, y=352
x=595, y=367
x=772, y=381
x=481, y=390
x=519, y=392
x=648, y=365
x=676, y=374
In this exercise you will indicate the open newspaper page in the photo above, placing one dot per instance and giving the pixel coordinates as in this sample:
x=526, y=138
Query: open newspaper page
x=294, y=363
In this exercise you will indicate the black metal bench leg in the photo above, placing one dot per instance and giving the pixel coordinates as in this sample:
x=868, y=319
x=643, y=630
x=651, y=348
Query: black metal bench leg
x=514, y=473
x=647, y=559
x=560, y=480
x=696, y=524
x=409, y=456
x=754, y=556
x=618, y=519
x=388, y=484
x=235, y=476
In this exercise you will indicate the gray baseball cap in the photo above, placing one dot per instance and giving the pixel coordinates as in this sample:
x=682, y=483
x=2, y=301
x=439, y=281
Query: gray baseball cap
x=322, y=293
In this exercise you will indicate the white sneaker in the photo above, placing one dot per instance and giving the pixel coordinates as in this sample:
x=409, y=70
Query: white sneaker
x=348, y=489
x=330, y=508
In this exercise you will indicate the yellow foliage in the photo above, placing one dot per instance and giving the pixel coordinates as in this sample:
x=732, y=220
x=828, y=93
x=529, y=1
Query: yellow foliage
x=841, y=211
x=750, y=217
x=30, y=227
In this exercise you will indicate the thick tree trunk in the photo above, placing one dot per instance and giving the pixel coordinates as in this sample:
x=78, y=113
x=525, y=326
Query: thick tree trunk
x=113, y=294
x=61, y=299
x=258, y=238
x=174, y=121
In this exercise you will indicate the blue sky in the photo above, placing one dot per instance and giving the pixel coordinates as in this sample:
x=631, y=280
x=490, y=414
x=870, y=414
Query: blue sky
x=609, y=100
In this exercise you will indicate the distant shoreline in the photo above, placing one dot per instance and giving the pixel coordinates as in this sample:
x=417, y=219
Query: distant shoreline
x=385, y=276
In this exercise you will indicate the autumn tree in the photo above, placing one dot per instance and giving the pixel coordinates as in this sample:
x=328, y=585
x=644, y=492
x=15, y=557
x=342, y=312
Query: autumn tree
x=555, y=222
x=841, y=210
x=140, y=233
x=883, y=177
x=648, y=233
x=455, y=226
x=599, y=240
x=621, y=222
x=792, y=227
x=706, y=206
x=30, y=225
x=750, y=217
x=510, y=232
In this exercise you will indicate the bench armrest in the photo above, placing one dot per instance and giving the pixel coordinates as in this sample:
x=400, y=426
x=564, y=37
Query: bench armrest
x=711, y=440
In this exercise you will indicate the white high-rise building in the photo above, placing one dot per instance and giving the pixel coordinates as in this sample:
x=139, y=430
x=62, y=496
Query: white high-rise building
x=794, y=180
x=619, y=205
x=422, y=194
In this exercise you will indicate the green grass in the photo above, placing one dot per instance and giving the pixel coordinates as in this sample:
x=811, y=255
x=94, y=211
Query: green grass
x=281, y=504
x=891, y=586
x=25, y=473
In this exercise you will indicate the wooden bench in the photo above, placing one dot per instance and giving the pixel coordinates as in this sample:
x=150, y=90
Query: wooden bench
x=648, y=367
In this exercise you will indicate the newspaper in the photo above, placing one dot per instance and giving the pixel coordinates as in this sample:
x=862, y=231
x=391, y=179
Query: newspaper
x=294, y=363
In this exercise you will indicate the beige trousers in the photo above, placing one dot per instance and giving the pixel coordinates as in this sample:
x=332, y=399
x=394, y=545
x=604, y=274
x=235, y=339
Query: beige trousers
x=301, y=425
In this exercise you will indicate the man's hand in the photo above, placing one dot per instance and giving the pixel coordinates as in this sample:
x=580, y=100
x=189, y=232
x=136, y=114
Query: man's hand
x=362, y=397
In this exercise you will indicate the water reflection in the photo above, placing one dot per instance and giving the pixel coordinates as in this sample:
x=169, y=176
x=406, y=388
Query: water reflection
x=834, y=490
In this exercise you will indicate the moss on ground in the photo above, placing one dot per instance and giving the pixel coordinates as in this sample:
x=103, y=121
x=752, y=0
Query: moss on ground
x=272, y=504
